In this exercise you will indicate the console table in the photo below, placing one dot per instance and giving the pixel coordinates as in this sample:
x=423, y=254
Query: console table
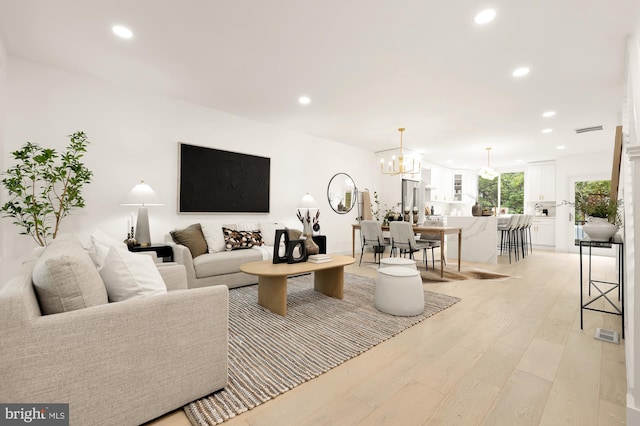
x=440, y=230
x=599, y=285
x=163, y=251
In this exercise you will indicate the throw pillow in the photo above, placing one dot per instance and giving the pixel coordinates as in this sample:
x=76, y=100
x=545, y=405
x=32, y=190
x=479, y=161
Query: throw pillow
x=65, y=278
x=213, y=236
x=129, y=275
x=99, y=244
x=268, y=231
x=235, y=240
x=191, y=237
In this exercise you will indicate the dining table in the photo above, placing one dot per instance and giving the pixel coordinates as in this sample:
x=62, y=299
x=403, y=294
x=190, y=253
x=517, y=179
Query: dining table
x=442, y=231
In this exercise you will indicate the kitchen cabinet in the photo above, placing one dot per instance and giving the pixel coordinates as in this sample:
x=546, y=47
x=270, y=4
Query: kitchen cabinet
x=440, y=187
x=543, y=231
x=540, y=182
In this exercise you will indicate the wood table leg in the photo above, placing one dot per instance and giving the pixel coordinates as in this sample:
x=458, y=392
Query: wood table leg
x=330, y=281
x=272, y=294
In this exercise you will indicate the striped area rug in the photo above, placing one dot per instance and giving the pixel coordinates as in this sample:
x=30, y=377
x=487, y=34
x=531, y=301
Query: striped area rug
x=270, y=354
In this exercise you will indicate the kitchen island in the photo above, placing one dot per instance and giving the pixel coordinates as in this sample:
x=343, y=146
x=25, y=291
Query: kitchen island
x=480, y=236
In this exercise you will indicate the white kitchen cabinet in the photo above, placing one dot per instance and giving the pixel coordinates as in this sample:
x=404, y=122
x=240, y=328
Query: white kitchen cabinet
x=543, y=232
x=540, y=182
x=440, y=187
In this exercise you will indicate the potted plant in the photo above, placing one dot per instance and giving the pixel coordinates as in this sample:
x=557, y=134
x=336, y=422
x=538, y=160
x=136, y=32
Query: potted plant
x=601, y=213
x=44, y=186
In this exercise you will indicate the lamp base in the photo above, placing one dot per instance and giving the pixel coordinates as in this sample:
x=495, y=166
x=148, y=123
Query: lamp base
x=142, y=228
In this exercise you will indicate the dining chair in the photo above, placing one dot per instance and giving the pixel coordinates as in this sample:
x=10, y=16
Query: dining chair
x=371, y=233
x=404, y=240
x=433, y=239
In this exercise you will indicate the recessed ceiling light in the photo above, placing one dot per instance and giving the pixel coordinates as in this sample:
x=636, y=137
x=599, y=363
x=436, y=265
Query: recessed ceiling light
x=304, y=100
x=549, y=114
x=449, y=161
x=547, y=130
x=121, y=31
x=521, y=72
x=560, y=147
x=485, y=16
x=518, y=161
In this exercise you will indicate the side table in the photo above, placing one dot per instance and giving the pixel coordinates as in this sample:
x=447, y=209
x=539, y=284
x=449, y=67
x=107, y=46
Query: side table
x=163, y=251
x=600, y=285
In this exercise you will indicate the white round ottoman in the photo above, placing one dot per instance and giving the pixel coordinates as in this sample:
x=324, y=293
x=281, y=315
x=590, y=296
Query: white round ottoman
x=399, y=291
x=397, y=261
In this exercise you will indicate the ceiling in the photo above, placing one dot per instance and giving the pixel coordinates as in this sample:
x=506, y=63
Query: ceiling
x=368, y=67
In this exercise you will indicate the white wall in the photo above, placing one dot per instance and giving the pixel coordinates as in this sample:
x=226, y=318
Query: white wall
x=631, y=192
x=135, y=136
x=3, y=101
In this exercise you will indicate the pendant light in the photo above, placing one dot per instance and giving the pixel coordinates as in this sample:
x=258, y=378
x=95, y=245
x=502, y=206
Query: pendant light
x=487, y=172
x=401, y=167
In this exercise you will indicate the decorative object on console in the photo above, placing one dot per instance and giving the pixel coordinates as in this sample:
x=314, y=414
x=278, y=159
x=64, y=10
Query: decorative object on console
x=142, y=195
x=476, y=210
x=401, y=167
x=487, y=172
x=308, y=213
x=42, y=190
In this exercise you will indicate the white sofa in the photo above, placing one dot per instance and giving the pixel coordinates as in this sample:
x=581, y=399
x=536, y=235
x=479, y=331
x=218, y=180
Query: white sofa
x=121, y=363
x=222, y=267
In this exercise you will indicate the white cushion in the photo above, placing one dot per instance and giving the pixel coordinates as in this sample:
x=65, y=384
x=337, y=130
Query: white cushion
x=99, y=246
x=213, y=236
x=268, y=231
x=129, y=275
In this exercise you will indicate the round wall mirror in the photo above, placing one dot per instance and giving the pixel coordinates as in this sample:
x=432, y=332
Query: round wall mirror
x=341, y=193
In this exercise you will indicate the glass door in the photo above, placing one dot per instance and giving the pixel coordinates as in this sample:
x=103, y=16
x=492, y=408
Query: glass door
x=584, y=185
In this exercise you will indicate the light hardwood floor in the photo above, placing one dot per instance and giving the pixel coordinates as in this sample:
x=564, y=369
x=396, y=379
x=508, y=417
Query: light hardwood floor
x=509, y=353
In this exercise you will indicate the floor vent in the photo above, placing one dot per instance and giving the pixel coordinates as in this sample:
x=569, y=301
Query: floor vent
x=607, y=335
x=588, y=129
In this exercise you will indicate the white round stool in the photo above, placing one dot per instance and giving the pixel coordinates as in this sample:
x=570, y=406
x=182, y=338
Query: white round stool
x=399, y=291
x=397, y=261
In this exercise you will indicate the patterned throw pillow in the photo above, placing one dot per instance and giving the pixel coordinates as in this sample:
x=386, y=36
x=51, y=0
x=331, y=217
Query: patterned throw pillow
x=234, y=240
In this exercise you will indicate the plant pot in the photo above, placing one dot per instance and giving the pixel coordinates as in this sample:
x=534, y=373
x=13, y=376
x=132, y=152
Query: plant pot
x=599, y=229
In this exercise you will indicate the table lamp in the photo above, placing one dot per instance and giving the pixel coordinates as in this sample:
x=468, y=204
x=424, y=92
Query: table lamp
x=142, y=195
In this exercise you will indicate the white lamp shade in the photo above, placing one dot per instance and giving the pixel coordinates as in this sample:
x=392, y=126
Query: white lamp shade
x=307, y=202
x=142, y=195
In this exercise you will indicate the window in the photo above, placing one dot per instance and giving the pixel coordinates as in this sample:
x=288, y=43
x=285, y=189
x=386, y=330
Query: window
x=506, y=191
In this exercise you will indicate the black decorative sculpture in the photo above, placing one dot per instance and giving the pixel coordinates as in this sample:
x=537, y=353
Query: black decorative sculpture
x=291, y=246
x=280, y=234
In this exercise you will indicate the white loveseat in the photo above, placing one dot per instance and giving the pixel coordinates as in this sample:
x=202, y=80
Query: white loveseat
x=218, y=265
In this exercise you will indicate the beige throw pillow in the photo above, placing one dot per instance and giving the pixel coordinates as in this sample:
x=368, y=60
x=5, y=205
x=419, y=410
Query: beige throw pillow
x=65, y=278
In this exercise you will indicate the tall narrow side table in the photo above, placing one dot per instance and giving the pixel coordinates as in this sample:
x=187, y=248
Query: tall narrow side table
x=602, y=287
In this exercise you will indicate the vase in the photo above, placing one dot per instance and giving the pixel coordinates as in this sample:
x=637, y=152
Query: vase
x=599, y=229
x=310, y=246
x=476, y=210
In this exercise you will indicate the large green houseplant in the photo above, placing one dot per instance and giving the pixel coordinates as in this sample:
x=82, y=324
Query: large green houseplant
x=44, y=186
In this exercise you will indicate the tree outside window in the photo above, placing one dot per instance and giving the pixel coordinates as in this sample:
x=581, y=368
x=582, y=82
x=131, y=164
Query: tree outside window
x=506, y=191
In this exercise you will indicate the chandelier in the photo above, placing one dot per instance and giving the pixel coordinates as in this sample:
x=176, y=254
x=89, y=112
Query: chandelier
x=399, y=167
x=487, y=172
